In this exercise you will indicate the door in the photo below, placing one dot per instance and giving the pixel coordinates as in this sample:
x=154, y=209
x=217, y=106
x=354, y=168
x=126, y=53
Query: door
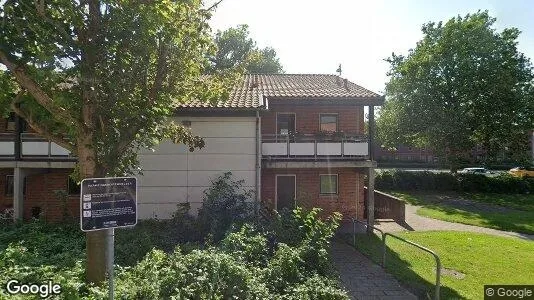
x=285, y=191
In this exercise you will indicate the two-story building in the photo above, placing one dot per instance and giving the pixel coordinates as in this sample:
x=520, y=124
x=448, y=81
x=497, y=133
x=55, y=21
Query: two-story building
x=295, y=139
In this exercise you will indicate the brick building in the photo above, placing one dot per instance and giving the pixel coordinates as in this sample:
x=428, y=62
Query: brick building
x=293, y=138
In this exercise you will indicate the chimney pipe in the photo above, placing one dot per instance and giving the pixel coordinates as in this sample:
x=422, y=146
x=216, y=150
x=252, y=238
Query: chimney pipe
x=346, y=83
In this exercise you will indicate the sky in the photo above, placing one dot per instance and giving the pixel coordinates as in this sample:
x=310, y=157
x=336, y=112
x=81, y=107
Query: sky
x=316, y=36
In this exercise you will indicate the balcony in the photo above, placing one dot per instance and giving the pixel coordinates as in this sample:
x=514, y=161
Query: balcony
x=310, y=146
x=32, y=147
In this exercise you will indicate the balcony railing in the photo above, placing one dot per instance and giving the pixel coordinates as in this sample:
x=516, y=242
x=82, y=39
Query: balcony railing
x=32, y=146
x=7, y=144
x=309, y=145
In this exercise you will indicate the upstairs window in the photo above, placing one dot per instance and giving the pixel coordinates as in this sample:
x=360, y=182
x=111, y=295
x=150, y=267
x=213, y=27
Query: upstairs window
x=10, y=124
x=328, y=122
x=328, y=184
x=285, y=123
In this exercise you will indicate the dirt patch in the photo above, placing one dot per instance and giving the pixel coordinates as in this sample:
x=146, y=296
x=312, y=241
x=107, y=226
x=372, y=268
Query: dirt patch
x=452, y=273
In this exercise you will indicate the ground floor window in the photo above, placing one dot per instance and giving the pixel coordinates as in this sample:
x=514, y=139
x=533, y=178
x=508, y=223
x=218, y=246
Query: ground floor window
x=9, y=185
x=329, y=184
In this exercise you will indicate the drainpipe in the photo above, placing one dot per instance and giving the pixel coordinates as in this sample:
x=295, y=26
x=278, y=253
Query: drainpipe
x=258, y=162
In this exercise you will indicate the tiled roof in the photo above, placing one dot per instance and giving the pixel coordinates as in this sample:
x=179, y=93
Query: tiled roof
x=249, y=92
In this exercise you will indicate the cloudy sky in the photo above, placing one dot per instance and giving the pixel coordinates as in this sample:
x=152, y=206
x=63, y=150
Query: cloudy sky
x=315, y=36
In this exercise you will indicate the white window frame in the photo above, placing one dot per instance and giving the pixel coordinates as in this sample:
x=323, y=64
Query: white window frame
x=332, y=114
x=285, y=113
x=337, y=185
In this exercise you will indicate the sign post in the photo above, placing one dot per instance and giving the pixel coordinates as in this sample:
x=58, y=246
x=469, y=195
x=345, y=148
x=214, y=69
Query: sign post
x=106, y=204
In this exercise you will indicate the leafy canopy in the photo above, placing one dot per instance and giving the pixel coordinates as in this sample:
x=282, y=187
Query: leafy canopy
x=236, y=49
x=464, y=85
x=101, y=78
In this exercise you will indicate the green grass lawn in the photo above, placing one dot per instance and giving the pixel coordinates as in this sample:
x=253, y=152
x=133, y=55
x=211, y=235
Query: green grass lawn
x=481, y=258
x=520, y=219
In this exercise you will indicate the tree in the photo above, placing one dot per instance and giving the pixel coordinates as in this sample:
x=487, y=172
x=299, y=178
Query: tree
x=101, y=78
x=464, y=85
x=236, y=49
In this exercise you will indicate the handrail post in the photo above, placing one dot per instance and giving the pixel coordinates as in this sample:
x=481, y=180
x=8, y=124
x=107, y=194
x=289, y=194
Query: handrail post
x=384, y=251
x=438, y=277
x=287, y=140
x=436, y=258
x=353, y=232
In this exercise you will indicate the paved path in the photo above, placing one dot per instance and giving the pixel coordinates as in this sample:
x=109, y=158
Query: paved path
x=420, y=223
x=364, y=279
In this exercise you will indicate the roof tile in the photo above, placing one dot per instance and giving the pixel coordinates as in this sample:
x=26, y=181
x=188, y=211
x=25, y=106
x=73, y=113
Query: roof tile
x=249, y=92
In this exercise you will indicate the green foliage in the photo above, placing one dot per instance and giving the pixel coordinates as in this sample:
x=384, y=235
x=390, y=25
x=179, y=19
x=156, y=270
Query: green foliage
x=430, y=181
x=284, y=257
x=317, y=288
x=100, y=78
x=247, y=244
x=225, y=203
x=465, y=85
x=241, y=266
x=235, y=49
x=131, y=244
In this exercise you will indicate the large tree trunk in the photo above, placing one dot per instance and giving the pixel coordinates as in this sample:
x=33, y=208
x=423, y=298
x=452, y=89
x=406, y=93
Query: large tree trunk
x=96, y=241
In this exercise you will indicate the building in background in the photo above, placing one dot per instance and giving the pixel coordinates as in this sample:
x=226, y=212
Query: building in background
x=295, y=139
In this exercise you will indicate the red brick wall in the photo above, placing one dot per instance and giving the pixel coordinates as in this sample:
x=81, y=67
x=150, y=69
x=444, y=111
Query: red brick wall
x=5, y=201
x=349, y=201
x=40, y=192
x=350, y=118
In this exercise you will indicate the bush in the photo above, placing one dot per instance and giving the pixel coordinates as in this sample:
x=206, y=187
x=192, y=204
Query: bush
x=283, y=257
x=429, y=181
x=226, y=203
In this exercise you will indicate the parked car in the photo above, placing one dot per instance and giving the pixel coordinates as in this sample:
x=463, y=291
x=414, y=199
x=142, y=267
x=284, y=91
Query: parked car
x=474, y=171
x=522, y=172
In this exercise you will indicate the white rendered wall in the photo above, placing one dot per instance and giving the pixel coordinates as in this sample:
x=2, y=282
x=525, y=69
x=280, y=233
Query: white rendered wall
x=173, y=175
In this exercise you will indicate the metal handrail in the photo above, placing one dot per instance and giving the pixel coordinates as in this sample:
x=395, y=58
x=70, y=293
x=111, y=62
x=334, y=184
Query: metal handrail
x=436, y=257
x=384, y=235
x=354, y=221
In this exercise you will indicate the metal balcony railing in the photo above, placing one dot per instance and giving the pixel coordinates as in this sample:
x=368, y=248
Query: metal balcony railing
x=32, y=146
x=311, y=145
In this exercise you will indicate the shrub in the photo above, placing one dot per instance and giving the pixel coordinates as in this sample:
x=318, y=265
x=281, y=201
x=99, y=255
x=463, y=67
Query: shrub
x=248, y=245
x=226, y=203
x=317, y=288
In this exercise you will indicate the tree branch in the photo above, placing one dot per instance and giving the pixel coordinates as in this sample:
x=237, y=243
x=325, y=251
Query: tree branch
x=214, y=5
x=35, y=90
x=41, y=130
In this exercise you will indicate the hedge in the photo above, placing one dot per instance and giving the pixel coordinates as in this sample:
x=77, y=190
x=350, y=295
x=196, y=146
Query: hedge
x=429, y=181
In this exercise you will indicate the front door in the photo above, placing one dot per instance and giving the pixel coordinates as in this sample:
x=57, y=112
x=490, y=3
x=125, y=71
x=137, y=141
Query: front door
x=285, y=192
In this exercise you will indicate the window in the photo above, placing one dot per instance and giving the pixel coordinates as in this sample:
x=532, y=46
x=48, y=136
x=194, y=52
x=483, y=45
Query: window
x=10, y=125
x=73, y=187
x=285, y=124
x=328, y=184
x=328, y=122
x=9, y=185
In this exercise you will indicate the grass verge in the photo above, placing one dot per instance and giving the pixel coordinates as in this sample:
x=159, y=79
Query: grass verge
x=472, y=260
x=520, y=217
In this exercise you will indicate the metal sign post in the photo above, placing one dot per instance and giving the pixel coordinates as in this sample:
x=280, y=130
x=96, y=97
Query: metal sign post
x=106, y=204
